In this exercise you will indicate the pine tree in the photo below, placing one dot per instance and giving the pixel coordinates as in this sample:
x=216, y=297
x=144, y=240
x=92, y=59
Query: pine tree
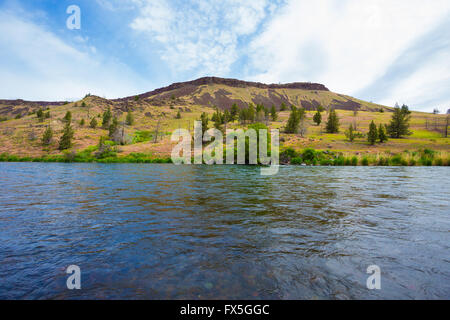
x=317, y=118
x=226, y=116
x=372, y=136
x=130, y=118
x=399, y=125
x=251, y=112
x=66, y=140
x=273, y=113
x=82, y=122
x=68, y=117
x=234, y=112
x=350, y=133
x=283, y=107
x=47, y=137
x=107, y=116
x=204, y=119
x=382, y=134
x=332, y=125
x=113, y=127
x=40, y=115
x=293, y=121
x=266, y=114
x=178, y=116
x=93, y=123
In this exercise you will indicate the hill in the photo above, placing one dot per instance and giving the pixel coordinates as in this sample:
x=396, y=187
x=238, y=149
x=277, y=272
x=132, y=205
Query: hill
x=21, y=131
x=222, y=93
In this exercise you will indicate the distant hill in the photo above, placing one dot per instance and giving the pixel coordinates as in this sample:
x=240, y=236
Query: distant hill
x=222, y=93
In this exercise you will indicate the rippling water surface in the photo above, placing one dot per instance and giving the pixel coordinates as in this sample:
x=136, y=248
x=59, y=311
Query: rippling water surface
x=223, y=232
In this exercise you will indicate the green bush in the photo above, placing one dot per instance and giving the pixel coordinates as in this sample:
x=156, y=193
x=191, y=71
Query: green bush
x=396, y=160
x=438, y=162
x=326, y=162
x=142, y=136
x=339, y=161
x=309, y=155
x=365, y=161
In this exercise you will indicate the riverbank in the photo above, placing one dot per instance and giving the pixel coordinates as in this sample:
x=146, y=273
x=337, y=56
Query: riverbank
x=288, y=156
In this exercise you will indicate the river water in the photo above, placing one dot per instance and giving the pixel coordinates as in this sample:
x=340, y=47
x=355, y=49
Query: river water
x=142, y=231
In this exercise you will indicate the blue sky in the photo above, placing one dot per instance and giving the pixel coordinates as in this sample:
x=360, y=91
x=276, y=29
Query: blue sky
x=377, y=50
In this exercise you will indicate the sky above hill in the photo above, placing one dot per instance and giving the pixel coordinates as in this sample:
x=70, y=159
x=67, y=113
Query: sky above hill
x=378, y=50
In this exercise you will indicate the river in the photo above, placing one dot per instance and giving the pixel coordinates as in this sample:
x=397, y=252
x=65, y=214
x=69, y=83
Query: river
x=150, y=231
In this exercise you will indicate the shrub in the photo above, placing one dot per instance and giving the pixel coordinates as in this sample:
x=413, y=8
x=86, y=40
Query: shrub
x=339, y=161
x=142, y=136
x=438, y=162
x=325, y=162
x=365, y=161
x=396, y=160
x=309, y=154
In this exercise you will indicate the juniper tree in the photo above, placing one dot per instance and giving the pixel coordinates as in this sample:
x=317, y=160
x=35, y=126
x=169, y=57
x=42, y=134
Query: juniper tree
x=93, y=123
x=251, y=112
x=113, y=127
x=234, y=112
x=47, y=137
x=66, y=140
x=372, y=136
x=68, y=117
x=317, y=118
x=273, y=113
x=399, y=125
x=130, y=118
x=293, y=122
x=40, y=115
x=332, y=125
x=226, y=116
x=382, y=133
x=350, y=133
x=204, y=119
x=107, y=116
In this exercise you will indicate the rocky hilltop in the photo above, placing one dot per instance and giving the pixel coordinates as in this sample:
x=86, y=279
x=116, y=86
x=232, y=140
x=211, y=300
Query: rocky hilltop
x=221, y=93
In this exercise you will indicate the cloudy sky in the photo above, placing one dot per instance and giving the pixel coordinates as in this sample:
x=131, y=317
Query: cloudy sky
x=378, y=50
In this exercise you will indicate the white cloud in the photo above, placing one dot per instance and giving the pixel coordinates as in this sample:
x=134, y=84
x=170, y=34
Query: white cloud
x=38, y=65
x=427, y=87
x=199, y=36
x=343, y=44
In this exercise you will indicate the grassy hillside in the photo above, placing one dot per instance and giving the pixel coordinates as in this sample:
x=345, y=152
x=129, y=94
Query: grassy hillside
x=22, y=136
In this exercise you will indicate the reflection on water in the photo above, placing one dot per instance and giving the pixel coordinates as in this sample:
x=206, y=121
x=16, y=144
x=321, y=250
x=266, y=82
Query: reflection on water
x=223, y=232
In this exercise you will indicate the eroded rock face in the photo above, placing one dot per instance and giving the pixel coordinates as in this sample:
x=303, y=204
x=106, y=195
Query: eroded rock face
x=196, y=92
x=189, y=87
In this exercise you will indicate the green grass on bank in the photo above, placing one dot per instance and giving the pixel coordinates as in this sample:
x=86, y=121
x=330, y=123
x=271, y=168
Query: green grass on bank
x=309, y=156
